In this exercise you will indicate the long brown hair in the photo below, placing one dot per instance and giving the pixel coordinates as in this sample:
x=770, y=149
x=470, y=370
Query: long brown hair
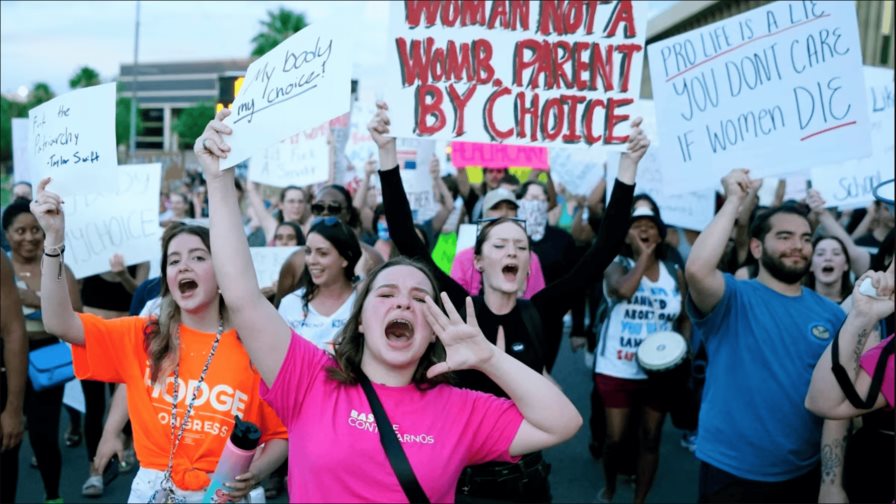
x=160, y=334
x=350, y=341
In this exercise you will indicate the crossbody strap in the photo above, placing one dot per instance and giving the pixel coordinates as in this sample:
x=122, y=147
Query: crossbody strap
x=394, y=452
x=845, y=383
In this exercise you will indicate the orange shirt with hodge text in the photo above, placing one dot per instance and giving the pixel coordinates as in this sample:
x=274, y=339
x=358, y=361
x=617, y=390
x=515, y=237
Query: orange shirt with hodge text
x=113, y=352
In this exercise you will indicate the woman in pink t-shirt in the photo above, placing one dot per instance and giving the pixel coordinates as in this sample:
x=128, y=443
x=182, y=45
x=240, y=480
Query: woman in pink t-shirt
x=400, y=339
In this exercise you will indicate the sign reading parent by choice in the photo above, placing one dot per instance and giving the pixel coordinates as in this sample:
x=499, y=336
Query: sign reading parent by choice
x=548, y=73
x=72, y=139
x=301, y=83
x=776, y=89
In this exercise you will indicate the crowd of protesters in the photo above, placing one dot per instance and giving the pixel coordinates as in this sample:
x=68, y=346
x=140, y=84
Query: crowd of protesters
x=767, y=337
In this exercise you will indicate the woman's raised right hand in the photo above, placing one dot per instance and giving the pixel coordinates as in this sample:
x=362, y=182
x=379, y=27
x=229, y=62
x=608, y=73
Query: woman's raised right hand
x=379, y=126
x=210, y=147
x=47, y=209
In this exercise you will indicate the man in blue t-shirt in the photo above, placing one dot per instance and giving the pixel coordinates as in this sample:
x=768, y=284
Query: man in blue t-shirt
x=756, y=442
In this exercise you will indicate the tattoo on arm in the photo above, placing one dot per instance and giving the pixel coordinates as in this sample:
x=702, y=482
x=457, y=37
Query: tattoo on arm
x=860, y=346
x=832, y=460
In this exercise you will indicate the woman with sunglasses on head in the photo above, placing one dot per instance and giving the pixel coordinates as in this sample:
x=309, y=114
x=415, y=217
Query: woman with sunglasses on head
x=501, y=253
x=397, y=346
x=334, y=201
x=183, y=370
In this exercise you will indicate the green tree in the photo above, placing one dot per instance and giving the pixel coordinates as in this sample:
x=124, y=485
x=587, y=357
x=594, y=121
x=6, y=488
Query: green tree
x=8, y=110
x=84, y=77
x=40, y=94
x=279, y=26
x=123, y=121
x=191, y=122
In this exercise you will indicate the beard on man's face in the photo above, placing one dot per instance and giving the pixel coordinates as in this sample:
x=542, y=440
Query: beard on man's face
x=781, y=271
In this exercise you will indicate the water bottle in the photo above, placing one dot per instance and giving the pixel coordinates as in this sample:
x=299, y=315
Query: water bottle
x=235, y=459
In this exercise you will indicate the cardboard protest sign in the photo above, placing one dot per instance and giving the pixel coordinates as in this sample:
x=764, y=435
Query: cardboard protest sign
x=850, y=184
x=518, y=72
x=125, y=222
x=268, y=261
x=301, y=83
x=72, y=139
x=578, y=170
x=492, y=155
x=21, y=171
x=300, y=160
x=414, y=157
x=775, y=89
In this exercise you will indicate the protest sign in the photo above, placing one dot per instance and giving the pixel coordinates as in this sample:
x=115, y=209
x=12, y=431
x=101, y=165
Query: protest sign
x=300, y=160
x=21, y=172
x=849, y=184
x=359, y=146
x=72, y=139
x=268, y=261
x=775, y=89
x=578, y=170
x=466, y=236
x=303, y=82
x=414, y=159
x=125, y=222
x=492, y=155
x=519, y=72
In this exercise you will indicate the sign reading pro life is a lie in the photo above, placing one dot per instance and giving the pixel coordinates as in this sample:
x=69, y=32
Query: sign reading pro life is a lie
x=301, y=83
x=72, y=139
x=776, y=89
x=519, y=72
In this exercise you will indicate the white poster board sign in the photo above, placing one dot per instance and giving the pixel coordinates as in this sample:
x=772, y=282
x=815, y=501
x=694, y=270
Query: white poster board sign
x=72, y=139
x=415, y=177
x=775, y=89
x=849, y=184
x=21, y=172
x=300, y=160
x=578, y=170
x=545, y=73
x=303, y=82
x=466, y=236
x=125, y=222
x=268, y=261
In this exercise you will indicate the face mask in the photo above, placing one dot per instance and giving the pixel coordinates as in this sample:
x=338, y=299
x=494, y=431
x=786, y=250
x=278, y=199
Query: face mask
x=536, y=215
x=382, y=231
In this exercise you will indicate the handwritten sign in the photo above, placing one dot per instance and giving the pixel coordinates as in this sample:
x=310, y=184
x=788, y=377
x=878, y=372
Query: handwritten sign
x=578, y=170
x=414, y=157
x=777, y=89
x=126, y=222
x=21, y=172
x=359, y=146
x=72, y=139
x=491, y=155
x=303, y=82
x=268, y=261
x=850, y=184
x=519, y=72
x=300, y=160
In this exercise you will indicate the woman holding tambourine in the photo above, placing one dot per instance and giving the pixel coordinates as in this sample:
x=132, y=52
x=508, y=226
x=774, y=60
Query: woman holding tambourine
x=645, y=298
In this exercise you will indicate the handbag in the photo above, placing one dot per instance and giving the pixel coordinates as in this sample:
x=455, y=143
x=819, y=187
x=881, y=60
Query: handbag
x=50, y=366
x=394, y=452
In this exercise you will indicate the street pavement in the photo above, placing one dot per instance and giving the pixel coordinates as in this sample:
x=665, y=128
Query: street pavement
x=575, y=475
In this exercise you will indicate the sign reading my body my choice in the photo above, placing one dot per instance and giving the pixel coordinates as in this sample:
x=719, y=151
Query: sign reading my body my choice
x=521, y=72
x=72, y=139
x=300, y=84
x=776, y=89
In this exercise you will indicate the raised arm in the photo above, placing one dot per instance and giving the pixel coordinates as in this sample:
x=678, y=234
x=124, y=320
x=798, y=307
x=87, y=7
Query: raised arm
x=58, y=299
x=15, y=357
x=130, y=283
x=825, y=397
x=267, y=221
x=262, y=331
x=706, y=283
x=623, y=284
x=549, y=417
x=859, y=258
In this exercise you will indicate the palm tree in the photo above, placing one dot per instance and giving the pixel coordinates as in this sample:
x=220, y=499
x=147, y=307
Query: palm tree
x=84, y=77
x=279, y=26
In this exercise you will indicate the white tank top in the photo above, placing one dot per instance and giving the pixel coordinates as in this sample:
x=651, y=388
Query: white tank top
x=313, y=326
x=654, y=307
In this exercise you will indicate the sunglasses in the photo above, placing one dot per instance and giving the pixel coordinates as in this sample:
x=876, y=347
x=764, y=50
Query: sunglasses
x=332, y=208
x=484, y=222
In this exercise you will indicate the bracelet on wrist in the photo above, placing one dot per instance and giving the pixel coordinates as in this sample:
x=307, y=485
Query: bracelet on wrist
x=54, y=251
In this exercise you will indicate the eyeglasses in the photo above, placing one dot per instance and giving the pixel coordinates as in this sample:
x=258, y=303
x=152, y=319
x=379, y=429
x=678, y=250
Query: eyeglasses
x=326, y=221
x=332, y=208
x=484, y=222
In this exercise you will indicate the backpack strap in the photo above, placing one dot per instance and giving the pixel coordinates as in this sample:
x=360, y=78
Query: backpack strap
x=849, y=390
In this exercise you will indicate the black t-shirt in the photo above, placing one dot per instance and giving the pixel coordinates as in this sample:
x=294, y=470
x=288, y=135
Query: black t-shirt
x=557, y=253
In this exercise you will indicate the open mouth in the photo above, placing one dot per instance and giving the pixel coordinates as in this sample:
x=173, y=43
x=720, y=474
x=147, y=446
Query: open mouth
x=187, y=285
x=827, y=269
x=510, y=271
x=399, y=330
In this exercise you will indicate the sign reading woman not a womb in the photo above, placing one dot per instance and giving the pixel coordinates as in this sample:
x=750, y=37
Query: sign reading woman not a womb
x=523, y=72
x=301, y=83
x=776, y=89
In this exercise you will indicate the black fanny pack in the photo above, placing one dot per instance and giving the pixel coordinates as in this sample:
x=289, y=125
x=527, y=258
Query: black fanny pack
x=523, y=481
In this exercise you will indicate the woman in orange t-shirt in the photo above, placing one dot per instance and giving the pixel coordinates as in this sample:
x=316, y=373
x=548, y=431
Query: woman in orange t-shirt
x=181, y=364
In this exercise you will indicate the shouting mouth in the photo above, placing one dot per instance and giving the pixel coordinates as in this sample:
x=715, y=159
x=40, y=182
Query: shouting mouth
x=187, y=286
x=510, y=272
x=399, y=331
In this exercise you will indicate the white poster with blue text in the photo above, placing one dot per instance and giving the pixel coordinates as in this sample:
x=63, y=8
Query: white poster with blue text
x=777, y=89
x=72, y=139
x=302, y=83
x=850, y=184
x=20, y=150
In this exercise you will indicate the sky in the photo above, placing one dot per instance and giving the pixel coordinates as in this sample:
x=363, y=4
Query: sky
x=49, y=41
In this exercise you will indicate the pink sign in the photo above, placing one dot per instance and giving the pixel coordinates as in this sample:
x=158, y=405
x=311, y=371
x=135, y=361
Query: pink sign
x=492, y=155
